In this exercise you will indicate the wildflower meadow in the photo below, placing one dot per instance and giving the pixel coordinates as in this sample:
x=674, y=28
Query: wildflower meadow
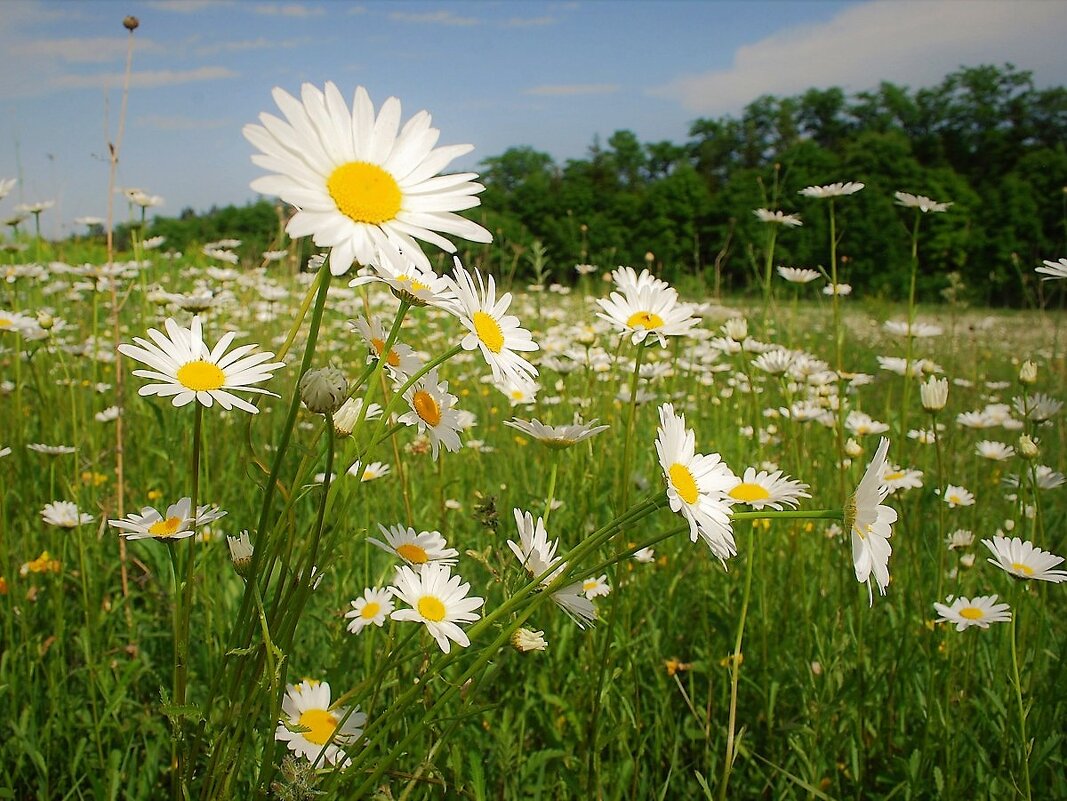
x=384, y=522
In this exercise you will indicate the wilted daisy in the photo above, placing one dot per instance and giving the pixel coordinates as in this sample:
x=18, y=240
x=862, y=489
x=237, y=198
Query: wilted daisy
x=496, y=334
x=778, y=217
x=525, y=640
x=697, y=484
x=438, y=600
x=960, y=538
x=432, y=412
x=1053, y=269
x=764, y=489
x=373, y=607
x=920, y=202
x=871, y=523
x=978, y=611
x=413, y=547
x=64, y=514
x=832, y=190
x=934, y=393
x=557, y=436
x=1020, y=558
x=359, y=185
x=177, y=523
x=799, y=275
x=958, y=496
x=187, y=370
x=306, y=708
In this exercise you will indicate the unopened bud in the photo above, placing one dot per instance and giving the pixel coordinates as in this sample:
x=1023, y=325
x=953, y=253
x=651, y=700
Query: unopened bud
x=45, y=320
x=1028, y=372
x=323, y=390
x=736, y=328
x=131, y=23
x=1028, y=447
x=853, y=448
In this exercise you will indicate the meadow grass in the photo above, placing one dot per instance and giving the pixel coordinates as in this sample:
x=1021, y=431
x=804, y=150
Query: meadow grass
x=825, y=696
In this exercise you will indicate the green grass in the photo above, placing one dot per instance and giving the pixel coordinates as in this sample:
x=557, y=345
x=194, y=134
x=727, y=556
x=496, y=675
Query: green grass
x=835, y=699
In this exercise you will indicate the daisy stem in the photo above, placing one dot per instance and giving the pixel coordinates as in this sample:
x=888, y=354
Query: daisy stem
x=768, y=262
x=911, y=324
x=390, y=340
x=1017, y=683
x=735, y=668
x=940, y=508
x=551, y=491
x=185, y=602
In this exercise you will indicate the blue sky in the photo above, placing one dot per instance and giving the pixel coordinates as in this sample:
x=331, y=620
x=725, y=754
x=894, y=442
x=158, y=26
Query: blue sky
x=551, y=75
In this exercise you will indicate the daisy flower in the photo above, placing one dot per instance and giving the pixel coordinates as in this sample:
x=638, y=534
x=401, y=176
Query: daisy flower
x=438, y=600
x=176, y=524
x=595, y=587
x=871, y=523
x=64, y=514
x=832, y=190
x=524, y=640
x=496, y=334
x=372, y=471
x=900, y=478
x=415, y=548
x=1053, y=269
x=978, y=611
x=51, y=450
x=402, y=361
x=920, y=202
x=860, y=424
x=534, y=550
x=764, y=489
x=374, y=607
x=934, y=393
x=837, y=289
x=627, y=279
x=958, y=496
x=358, y=184
x=432, y=412
x=557, y=436
x=650, y=310
x=778, y=218
x=419, y=286
x=799, y=275
x=308, y=723
x=1023, y=560
x=697, y=484
x=187, y=370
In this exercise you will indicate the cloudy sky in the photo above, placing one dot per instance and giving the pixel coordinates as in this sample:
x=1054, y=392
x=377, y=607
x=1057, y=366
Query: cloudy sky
x=551, y=75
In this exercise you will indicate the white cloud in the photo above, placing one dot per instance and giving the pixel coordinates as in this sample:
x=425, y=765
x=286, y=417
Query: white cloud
x=528, y=22
x=188, y=6
x=142, y=80
x=177, y=122
x=245, y=45
x=568, y=89
x=80, y=50
x=434, y=18
x=902, y=41
x=289, y=10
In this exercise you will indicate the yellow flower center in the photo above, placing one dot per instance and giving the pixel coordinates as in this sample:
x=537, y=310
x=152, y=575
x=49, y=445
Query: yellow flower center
x=426, y=407
x=415, y=285
x=392, y=359
x=1021, y=568
x=411, y=552
x=893, y=476
x=644, y=319
x=365, y=192
x=6, y=322
x=165, y=528
x=431, y=608
x=321, y=725
x=747, y=492
x=488, y=331
x=972, y=613
x=200, y=376
x=683, y=482
x=369, y=610
x=589, y=584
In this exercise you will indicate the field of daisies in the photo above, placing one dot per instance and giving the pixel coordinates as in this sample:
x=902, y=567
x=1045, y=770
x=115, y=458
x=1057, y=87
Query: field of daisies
x=376, y=526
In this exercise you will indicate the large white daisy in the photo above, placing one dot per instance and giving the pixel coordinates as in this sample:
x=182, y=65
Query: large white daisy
x=438, y=600
x=648, y=310
x=188, y=370
x=312, y=728
x=698, y=485
x=871, y=524
x=360, y=182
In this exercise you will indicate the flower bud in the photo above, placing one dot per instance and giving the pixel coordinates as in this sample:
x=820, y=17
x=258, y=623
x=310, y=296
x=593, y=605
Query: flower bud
x=1028, y=373
x=1027, y=447
x=45, y=320
x=131, y=23
x=853, y=448
x=736, y=328
x=323, y=390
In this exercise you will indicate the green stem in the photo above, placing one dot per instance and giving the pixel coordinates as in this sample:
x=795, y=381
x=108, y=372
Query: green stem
x=1017, y=682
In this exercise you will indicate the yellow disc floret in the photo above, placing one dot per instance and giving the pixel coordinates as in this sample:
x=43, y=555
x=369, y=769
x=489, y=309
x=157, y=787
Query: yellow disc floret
x=431, y=608
x=488, y=330
x=683, y=482
x=320, y=724
x=365, y=192
x=201, y=376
